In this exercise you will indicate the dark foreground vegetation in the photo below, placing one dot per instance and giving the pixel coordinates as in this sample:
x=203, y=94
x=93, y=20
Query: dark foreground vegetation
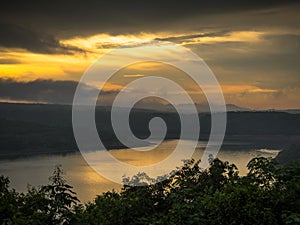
x=268, y=194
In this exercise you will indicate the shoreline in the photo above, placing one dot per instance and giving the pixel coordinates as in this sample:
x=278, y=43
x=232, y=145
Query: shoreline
x=233, y=142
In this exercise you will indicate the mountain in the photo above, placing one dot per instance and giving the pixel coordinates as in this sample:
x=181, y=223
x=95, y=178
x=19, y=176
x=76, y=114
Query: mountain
x=27, y=129
x=293, y=111
x=289, y=155
x=235, y=108
x=186, y=108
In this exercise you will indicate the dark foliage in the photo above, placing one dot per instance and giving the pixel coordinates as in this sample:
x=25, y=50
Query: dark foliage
x=31, y=129
x=268, y=194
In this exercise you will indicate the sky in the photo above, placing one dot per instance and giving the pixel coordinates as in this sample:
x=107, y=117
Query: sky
x=252, y=47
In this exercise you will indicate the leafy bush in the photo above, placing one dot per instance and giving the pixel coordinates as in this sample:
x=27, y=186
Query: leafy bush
x=50, y=204
x=268, y=194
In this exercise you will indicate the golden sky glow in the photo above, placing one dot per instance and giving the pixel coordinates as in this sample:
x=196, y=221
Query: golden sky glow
x=28, y=66
x=252, y=47
x=53, y=66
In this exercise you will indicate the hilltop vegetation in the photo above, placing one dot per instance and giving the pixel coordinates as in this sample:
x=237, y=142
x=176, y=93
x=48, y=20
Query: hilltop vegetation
x=289, y=155
x=268, y=194
x=27, y=129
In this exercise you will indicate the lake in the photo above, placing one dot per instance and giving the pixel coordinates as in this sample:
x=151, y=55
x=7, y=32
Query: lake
x=88, y=183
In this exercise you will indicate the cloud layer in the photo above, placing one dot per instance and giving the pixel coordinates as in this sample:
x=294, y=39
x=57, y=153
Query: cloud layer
x=43, y=91
x=14, y=36
x=247, y=44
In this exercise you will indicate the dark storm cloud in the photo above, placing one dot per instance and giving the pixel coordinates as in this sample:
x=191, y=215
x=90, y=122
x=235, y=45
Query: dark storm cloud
x=272, y=63
x=115, y=17
x=284, y=46
x=179, y=39
x=107, y=45
x=287, y=42
x=14, y=36
x=176, y=39
x=50, y=91
x=9, y=61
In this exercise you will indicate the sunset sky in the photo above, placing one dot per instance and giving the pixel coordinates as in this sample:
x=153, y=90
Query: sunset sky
x=252, y=47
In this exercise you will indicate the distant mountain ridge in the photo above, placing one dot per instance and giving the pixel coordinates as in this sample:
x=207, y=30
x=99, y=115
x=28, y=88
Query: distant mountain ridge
x=186, y=108
x=160, y=107
x=47, y=129
x=289, y=155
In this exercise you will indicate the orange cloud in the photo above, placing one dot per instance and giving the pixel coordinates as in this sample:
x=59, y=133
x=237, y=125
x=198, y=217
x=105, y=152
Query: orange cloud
x=133, y=75
x=234, y=89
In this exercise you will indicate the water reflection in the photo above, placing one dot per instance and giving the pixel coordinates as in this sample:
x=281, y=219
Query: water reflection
x=87, y=183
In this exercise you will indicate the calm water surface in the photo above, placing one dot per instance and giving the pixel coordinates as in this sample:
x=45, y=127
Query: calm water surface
x=87, y=183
